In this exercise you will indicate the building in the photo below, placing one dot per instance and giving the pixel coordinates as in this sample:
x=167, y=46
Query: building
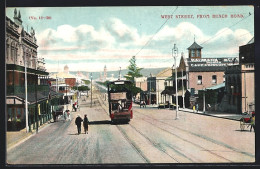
x=23, y=65
x=205, y=72
x=240, y=82
x=169, y=91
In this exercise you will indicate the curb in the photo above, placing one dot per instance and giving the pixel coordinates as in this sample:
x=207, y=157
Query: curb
x=209, y=115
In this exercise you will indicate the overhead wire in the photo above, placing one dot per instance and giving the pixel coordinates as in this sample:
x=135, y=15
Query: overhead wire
x=155, y=33
x=225, y=29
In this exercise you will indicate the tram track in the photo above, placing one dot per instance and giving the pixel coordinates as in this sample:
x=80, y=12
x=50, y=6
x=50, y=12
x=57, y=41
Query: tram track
x=185, y=155
x=154, y=144
x=197, y=135
x=134, y=146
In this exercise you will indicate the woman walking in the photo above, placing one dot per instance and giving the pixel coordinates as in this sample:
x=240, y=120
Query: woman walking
x=85, y=123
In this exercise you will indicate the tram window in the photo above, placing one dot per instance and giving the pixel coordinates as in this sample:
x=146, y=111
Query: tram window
x=114, y=106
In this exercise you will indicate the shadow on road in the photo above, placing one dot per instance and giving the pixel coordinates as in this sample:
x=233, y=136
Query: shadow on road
x=245, y=130
x=74, y=134
x=99, y=122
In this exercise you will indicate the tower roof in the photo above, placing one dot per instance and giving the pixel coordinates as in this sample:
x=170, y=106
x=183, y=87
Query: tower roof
x=194, y=46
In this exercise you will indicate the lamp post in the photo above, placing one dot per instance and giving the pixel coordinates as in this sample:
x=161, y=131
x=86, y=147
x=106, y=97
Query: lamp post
x=91, y=90
x=77, y=92
x=204, y=100
x=26, y=99
x=175, y=51
x=150, y=80
x=119, y=76
x=183, y=103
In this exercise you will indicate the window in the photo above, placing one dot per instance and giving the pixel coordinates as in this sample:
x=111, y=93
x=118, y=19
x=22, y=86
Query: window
x=7, y=51
x=198, y=53
x=199, y=80
x=192, y=53
x=214, y=79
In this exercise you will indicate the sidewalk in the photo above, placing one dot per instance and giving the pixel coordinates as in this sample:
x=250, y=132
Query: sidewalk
x=215, y=114
x=14, y=138
x=224, y=115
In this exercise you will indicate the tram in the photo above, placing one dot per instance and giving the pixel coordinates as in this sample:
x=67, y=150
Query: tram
x=120, y=100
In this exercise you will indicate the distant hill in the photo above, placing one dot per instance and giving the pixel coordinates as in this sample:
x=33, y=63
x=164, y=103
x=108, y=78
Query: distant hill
x=145, y=72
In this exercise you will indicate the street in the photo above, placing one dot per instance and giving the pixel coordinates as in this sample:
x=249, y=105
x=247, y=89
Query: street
x=152, y=136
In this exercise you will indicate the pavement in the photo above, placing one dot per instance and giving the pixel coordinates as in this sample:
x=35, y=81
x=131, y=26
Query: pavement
x=14, y=138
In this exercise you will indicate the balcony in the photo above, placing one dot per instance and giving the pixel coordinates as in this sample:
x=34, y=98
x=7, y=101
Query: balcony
x=13, y=90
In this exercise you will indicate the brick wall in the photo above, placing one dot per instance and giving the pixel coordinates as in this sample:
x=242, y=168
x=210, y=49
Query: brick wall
x=206, y=79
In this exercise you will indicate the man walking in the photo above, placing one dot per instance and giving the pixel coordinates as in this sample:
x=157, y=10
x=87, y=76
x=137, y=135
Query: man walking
x=78, y=123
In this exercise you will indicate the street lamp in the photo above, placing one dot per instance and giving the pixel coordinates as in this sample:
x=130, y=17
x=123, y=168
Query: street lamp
x=26, y=93
x=183, y=103
x=91, y=90
x=175, y=51
x=119, y=76
x=26, y=99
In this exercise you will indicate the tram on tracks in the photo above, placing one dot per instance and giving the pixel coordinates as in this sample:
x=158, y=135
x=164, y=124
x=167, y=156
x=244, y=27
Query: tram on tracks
x=120, y=100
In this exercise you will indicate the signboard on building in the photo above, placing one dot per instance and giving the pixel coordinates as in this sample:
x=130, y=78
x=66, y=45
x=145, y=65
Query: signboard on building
x=205, y=62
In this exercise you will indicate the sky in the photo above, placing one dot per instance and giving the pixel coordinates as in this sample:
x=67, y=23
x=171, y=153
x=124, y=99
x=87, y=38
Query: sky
x=88, y=38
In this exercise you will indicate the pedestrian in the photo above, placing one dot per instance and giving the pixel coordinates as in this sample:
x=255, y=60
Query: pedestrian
x=197, y=107
x=85, y=123
x=75, y=106
x=68, y=114
x=252, y=121
x=193, y=108
x=78, y=123
x=65, y=115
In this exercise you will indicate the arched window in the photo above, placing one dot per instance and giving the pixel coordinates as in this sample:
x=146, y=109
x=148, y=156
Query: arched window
x=12, y=52
x=15, y=53
x=7, y=51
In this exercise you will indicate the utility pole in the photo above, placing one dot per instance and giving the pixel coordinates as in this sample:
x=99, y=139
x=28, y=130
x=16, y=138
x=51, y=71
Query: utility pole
x=182, y=89
x=26, y=99
x=91, y=91
x=204, y=100
x=119, y=76
x=175, y=49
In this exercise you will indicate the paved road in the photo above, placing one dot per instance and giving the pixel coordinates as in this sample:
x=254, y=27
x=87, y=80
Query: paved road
x=153, y=136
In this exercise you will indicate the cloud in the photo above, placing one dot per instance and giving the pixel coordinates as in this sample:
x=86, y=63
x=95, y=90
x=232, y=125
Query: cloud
x=118, y=42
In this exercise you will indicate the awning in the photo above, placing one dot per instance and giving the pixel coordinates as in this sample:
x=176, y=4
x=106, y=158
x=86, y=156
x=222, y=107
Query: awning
x=218, y=86
x=31, y=98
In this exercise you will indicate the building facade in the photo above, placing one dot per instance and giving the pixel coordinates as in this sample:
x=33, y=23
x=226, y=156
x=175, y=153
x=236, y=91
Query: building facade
x=24, y=67
x=240, y=82
x=205, y=72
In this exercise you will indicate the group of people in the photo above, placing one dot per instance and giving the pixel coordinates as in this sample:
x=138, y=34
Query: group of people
x=85, y=121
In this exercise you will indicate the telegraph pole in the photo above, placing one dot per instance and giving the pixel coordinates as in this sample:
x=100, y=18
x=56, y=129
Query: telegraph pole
x=175, y=49
x=91, y=91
